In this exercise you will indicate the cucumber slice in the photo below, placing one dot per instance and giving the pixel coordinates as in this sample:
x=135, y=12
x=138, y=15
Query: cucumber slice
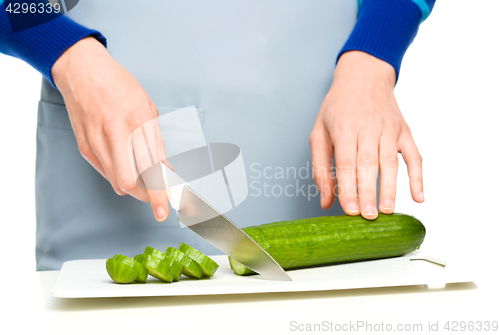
x=238, y=268
x=175, y=266
x=156, y=267
x=207, y=264
x=190, y=267
x=120, y=272
x=154, y=252
x=143, y=272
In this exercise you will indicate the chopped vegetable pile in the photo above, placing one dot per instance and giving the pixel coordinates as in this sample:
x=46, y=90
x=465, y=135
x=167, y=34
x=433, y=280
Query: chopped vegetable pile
x=167, y=266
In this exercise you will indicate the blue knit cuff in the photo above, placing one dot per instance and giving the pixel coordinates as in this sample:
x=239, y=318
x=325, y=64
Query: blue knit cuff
x=42, y=45
x=385, y=29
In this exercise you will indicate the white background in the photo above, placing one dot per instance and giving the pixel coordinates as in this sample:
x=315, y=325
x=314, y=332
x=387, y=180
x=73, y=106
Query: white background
x=448, y=91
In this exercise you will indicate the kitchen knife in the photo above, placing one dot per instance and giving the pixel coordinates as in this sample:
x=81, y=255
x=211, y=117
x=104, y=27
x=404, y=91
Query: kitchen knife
x=211, y=225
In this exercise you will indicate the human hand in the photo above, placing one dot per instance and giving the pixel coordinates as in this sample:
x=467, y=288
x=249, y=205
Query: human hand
x=106, y=105
x=361, y=125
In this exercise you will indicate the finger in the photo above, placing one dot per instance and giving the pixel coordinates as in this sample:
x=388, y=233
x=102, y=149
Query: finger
x=413, y=161
x=367, y=171
x=154, y=142
x=89, y=155
x=124, y=168
x=388, y=162
x=322, y=163
x=102, y=151
x=142, y=153
x=345, y=146
x=159, y=140
x=160, y=145
x=146, y=144
x=83, y=143
x=153, y=178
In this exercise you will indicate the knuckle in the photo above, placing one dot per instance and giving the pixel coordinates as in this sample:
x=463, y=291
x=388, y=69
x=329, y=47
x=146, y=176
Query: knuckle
x=94, y=139
x=118, y=190
x=345, y=164
x=418, y=179
x=85, y=150
x=367, y=160
x=389, y=159
x=143, y=161
x=322, y=173
x=314, y=138
x=394, y=126
x=341, y=128
x=154, y=109
x=415, y=159
x=110, y=130
x=406, y=129
x=127, y=185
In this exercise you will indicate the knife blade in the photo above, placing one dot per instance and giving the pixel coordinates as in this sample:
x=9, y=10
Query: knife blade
x=211, y=225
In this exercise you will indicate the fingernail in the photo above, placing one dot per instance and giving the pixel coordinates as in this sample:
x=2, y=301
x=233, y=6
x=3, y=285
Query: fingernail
x=321, y=198
x=422, y=196
x=353, y=207
x=370, y=210
x=161, y=214
x=387, y=205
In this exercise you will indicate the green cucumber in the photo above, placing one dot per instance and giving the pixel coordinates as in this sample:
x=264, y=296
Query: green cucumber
x=207, y=264
x=156, y=267
x=143, y=272
x=335, y=239
x=238, y=268
x=154, y=252
x=175, y=265
x=120, y=272
x=190, y=267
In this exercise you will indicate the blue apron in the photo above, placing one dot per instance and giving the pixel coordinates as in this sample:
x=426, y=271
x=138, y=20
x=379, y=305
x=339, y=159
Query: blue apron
x=256, y=70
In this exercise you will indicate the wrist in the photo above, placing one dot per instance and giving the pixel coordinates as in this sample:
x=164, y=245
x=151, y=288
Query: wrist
x=363, y=66
x=74, y=58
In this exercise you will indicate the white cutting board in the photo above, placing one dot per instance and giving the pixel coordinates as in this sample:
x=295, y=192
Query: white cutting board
x=89, y=279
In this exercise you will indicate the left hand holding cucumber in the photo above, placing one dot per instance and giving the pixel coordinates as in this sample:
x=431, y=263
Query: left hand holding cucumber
x=361, y=125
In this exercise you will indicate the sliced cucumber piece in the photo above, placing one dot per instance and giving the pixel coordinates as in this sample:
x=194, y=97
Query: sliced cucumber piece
x=239, y=268
x=190, y=267
x=156, y=267
x=141, y=269
x=207, y=264
x=154, y=252
x=175, y=266
x=120, y=272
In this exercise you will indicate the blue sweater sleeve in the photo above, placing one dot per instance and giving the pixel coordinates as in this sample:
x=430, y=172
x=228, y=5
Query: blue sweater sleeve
x=386, y=28
x=42, y=45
